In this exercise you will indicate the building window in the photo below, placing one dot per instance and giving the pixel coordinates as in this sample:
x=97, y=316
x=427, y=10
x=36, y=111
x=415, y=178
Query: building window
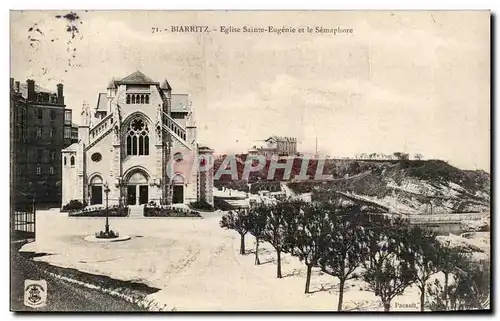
x=51, y=132
x=52, y=115
x=67, y=132
x=40, y=113
x=39, y=170
x=96, y=157
x=178, y=157
x=65, y=162
x=72, y=161
x=138, y=138
x=53, y=155
x=39, y=155
x=137, y=99
x=51, y=170
x=39, y=132
x=67, y=116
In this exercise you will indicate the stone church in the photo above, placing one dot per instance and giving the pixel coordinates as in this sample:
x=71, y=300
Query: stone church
x=127, y=143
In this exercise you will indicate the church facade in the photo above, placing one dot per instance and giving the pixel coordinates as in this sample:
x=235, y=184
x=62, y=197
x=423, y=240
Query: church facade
x=137, y=145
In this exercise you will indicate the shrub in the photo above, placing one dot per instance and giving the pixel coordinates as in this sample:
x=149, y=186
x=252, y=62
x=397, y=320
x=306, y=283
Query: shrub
x=201, y=205
x=73, y=205
x=99, y=211
x=167, y=211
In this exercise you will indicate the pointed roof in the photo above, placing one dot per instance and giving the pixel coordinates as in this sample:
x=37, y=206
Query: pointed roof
x=136, y=78
x=102, y=102
x=165, y=85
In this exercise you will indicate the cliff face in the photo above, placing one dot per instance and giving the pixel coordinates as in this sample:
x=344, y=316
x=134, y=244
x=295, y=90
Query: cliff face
x=411, y=187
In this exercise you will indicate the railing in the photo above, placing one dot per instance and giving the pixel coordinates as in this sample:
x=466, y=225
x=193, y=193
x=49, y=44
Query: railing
x=24, y=225
x=101, y=127
x=445, y=217
x=175, y=128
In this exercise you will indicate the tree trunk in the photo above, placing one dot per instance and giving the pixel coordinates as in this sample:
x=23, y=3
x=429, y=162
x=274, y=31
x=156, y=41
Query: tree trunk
x=308, y=278
x=446, y=291
x=341, y=295
x=387, y=306
x=242, y=244
x=278, y=270
x=422, y=299
x=257, y=262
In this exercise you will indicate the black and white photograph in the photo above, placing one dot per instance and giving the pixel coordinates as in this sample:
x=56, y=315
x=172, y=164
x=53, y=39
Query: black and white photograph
x=257, y=161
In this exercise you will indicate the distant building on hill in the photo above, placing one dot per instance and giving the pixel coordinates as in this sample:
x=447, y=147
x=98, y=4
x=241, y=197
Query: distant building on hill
x=276, y=146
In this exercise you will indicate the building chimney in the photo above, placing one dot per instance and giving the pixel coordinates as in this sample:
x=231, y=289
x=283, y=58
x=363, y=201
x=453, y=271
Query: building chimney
x=11, y=84
x=60, y=94
x=31, y=89
x=17, y=86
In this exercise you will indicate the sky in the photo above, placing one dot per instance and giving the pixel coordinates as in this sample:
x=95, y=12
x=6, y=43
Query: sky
x=415, y=82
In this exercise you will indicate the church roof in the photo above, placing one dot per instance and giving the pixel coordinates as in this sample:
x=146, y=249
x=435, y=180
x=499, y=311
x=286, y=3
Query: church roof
x=137, y=78
x=102, y=101
x=180, y=103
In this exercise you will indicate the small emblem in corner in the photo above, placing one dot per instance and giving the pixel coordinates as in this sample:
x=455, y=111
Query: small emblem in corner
x=35, y=293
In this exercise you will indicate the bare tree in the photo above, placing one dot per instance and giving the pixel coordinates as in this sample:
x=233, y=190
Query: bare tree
x=389, y=266
x=237, y=220
x=274, y=231
x=447, y=260
x=342, y=250
x=312, y=230
x=426, y=250
x=469, y=290
x=257, y=223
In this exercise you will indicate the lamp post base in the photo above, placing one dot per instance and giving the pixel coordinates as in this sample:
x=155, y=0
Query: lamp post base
x=108, y=234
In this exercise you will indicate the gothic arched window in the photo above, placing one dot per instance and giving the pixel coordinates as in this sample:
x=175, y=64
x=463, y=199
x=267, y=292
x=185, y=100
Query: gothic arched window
x=128, y=99
x=133, y=99
x=72, y=161
x=138, y=138
x=142, y=99
x=147, y=99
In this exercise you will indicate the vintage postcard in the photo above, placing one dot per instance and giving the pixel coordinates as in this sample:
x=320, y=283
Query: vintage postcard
x=250, y=160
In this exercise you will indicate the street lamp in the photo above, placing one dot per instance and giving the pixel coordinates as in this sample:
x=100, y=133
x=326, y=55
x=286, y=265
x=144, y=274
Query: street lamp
x=107, y=233
x=106, y=190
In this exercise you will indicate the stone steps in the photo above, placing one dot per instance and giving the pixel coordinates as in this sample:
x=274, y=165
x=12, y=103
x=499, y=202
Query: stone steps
x=136, y=211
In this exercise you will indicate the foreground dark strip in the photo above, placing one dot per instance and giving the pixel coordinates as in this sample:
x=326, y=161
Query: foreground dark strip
x=70, y=297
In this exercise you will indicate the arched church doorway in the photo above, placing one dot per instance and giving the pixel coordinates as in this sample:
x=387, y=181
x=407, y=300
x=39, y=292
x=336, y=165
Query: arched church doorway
x=96, y=190
x=137, y=188
x=178, y=189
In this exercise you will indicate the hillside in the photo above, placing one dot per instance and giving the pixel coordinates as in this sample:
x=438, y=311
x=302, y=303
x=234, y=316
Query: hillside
x=411, y=187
